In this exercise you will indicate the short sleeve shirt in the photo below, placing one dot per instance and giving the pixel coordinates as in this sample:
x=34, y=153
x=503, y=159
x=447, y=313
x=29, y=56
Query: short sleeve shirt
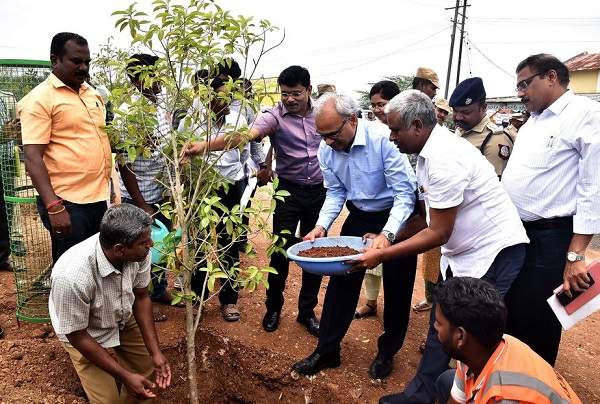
x=150, y=172
x=78, y=155
x=452, y=173
x=497, y=148
x=88, y=292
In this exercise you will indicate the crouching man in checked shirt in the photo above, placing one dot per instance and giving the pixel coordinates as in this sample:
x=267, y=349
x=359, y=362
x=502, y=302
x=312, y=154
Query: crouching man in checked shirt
x=99, y=300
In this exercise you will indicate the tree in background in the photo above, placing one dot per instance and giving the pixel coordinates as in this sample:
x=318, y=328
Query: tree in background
x=188, y=38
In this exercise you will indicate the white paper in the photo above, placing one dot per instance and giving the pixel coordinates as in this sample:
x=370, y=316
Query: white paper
x=569, y=320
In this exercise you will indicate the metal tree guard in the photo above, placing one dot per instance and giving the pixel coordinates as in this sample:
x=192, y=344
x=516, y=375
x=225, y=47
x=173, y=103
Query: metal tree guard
x=29, y=241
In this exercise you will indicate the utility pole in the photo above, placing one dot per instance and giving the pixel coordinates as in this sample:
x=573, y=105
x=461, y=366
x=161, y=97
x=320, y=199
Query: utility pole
x=451, y=47
x=452, y=40
x=462, y=36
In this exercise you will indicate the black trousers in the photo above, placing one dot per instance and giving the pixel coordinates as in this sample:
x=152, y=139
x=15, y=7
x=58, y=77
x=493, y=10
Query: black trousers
x=343, y=292
x=303, y=205
x=530, y=317
x=228, y=294
x=85, y=222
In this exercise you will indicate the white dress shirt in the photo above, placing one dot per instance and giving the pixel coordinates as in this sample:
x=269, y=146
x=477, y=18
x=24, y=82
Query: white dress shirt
x=554, y=170
x=453, y=173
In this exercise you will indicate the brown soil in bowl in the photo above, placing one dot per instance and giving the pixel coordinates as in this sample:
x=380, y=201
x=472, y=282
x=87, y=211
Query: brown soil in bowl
x=328, y=252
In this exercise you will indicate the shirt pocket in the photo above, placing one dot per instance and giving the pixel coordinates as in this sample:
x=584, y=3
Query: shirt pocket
x=544, y=158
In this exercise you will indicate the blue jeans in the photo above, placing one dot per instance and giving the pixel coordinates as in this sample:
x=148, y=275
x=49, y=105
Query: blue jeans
x=85, y=222
x=158, y=273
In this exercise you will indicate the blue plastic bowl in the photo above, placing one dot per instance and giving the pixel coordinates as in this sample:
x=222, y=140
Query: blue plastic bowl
x=330, y=265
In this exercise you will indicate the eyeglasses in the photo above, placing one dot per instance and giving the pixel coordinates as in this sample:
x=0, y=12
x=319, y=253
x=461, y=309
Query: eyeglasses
x=336, y=134
x=380, y=105
x=522, y=85
x=293, y=93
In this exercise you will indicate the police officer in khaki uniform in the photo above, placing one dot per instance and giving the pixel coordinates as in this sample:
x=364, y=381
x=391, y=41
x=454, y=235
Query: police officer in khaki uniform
x=325, y=88
x=426, y=81
x=472, y=123
x=442, y=110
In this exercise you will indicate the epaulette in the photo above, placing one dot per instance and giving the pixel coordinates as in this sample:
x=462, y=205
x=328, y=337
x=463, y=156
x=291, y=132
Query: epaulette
x=496, y=130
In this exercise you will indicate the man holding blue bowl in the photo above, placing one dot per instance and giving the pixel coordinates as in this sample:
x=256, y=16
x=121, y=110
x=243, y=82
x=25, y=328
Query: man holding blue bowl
x=364, y=170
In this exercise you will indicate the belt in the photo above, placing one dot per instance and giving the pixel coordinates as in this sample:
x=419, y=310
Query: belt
x=547, y=224
x=353, y=208
x=300, y=186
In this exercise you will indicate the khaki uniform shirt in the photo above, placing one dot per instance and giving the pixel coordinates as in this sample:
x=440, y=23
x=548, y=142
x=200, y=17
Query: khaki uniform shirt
x=512, y=132
x=498, y=147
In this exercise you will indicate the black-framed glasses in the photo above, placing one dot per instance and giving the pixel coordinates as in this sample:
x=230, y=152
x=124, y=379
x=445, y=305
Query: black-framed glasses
x=523, y=84
x=336, y=134
x=293, y=93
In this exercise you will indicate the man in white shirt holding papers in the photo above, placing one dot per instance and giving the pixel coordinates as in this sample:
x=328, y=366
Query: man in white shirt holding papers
x=553, y=178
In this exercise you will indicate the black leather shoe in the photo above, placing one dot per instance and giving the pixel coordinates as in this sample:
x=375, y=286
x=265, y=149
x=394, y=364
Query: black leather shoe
x=271, y=320
x=381, y=367
x=311, y=324
x=316, y=362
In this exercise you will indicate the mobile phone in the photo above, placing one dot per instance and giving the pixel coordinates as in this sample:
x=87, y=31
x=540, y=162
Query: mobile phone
x=564, y=299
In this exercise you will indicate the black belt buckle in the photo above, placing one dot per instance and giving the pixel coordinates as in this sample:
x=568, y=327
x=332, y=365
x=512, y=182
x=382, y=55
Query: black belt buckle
x=302, y=186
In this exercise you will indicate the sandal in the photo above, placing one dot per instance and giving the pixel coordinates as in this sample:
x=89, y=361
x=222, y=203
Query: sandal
x=230, y=312
x=158, y=316
x=422, y=306
x=372, y=311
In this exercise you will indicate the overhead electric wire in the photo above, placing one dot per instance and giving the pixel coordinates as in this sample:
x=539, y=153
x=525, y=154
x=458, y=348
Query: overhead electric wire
x=490, y=60
x=386, y=55
x=376, y=39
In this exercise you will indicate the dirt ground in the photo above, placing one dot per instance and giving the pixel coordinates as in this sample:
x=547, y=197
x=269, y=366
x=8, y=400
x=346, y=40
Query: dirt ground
x=241, y=363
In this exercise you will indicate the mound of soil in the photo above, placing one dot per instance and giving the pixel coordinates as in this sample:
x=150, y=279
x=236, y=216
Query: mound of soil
x=327, y=252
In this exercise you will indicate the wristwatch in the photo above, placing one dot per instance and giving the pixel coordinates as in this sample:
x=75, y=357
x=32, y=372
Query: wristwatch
x=574, y=257
x=389, y=235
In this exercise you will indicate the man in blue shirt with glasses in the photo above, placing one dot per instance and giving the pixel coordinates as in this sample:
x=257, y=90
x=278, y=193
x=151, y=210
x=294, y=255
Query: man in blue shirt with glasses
x=362, y=169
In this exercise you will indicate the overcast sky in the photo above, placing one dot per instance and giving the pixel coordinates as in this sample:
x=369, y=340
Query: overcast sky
x=350, y=43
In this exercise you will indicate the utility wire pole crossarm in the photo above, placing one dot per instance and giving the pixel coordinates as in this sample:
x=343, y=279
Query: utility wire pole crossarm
x=452, y=40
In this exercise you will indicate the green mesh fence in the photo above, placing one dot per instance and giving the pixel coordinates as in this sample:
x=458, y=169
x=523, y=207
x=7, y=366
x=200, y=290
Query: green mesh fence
x=29, y=241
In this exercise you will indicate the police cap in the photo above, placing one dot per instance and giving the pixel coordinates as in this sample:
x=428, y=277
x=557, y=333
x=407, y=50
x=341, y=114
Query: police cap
x=468, y=92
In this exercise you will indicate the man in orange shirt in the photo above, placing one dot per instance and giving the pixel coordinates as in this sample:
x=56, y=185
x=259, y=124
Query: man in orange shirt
x=67, y=153
x=491, y=367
